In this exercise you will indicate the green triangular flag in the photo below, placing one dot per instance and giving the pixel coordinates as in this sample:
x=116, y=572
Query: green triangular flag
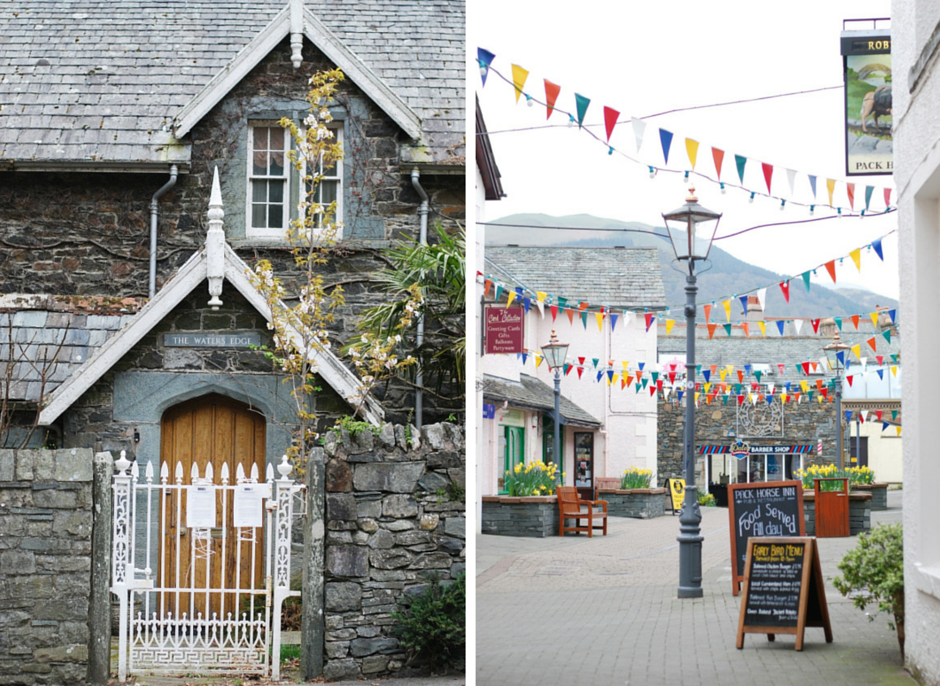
x=894, y=415
x=595, y=361
x=645, y=381
x=727, y=328
x=584, y=318
x=740, y=161
x=582, y=104
x=724, y=400
x=887, y=334
x=839, y=322
x=805, y=276
x=655, y=376
x=638, y=387
x=499, y=292
x=757, y=374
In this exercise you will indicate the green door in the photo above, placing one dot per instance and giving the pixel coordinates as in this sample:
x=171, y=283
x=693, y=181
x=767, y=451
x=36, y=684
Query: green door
x=548, y=440
x=513, y=453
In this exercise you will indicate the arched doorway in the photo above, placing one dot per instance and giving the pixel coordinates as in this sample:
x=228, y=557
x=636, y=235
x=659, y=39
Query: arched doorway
x=217, y=430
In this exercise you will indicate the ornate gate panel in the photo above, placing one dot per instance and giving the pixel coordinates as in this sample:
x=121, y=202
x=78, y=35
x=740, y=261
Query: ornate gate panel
x=184, y=620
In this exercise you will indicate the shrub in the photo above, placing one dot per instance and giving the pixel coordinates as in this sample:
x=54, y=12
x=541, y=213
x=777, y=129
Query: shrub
x=874, y=573
x=634, y=478
x=706, y=499
x=432, y=625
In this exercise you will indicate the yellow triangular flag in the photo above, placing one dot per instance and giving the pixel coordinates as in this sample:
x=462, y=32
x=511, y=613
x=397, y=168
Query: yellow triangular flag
x=669, y=324
x=723, y=373
x=614, y=378
x=804, y=386
x=763, y=329
x=856, y=256
x=730, y=368
x=857, y=349
x=691, y=147
x=830, y=183
x=752, y=398
x=600, y=320
x=696, y=396
x=707, y=387
x=540, y=297
x=624, y=363
x=519, y=75
x=894, y=370
x=898, y=430
x=512, y=296
x=820, y=398
x=874, y=320
x=783, y=398
x=727, y=305
x=538, y=360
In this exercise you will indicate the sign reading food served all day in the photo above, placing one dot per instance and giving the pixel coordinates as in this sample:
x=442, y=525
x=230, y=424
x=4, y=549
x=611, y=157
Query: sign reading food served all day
x=773, y=508
x=783, y=589
x=504, y=330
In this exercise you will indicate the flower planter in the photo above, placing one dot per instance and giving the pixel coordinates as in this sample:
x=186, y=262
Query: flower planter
x=879, y=494
x=640, y=503
x=859, y=512
x=532, y=516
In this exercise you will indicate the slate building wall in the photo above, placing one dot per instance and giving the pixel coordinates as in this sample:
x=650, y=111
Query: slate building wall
x=395, y=515
x=45, y=563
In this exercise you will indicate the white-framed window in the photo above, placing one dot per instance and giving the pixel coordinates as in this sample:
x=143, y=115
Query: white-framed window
x=274, y=185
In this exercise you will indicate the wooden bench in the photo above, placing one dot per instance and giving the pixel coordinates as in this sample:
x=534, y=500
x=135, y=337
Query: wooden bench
x=570, y=506
x=607, y=482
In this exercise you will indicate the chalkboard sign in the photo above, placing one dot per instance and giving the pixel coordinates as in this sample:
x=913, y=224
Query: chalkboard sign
x=773, y=508
x=783, y=589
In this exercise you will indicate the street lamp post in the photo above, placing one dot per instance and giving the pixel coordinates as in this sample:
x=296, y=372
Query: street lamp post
x=691, y=230
x=555, y=354
x=835, y=353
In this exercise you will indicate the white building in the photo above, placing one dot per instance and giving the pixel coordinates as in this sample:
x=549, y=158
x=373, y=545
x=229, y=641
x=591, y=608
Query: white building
x=915, y=48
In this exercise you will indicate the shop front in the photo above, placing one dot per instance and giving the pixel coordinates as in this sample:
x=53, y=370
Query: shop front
x=739, y=462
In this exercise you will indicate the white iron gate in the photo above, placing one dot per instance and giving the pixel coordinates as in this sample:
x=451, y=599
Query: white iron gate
x=182, y=608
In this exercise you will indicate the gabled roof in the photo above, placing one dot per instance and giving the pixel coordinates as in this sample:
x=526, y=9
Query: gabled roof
x=197, y=269
x=622, y=277
x=99, y=83
x=534, y=394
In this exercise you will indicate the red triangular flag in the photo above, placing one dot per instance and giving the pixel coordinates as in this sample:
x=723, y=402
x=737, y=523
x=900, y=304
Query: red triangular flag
x=551, y=94
x=878, y=414
x=554, y=309
x=580, y=371
x=887, y=197
x=649, y=319
x=718, y=156
x=850, y=189
x=831, y=268
x=815, y=323
x=580, y=360
x=871, y=342
x=805, y=366
x=785, y=287
x=610, y=120
x=880, y=359
x=711, y=329
x=849, y=379
x=768, y=172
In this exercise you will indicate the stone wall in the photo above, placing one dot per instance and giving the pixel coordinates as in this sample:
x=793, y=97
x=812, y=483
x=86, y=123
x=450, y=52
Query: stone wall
x=45, y=563
x=534, y=516
x=804, y=424
x=395, y=515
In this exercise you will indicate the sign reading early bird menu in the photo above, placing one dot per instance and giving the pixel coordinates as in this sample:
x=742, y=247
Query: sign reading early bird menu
x=504, y=329
x=783, y=590
x=772, y=508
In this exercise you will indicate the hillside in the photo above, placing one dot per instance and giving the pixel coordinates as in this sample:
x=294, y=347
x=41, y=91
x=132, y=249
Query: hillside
x=728, y=274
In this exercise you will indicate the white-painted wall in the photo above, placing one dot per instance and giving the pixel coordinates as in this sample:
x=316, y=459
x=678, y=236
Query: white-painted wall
x=479, y=202
x=917, y=177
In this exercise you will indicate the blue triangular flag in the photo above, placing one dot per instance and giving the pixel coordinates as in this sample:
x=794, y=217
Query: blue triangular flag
x=525, y=356
x=881, y=374
x=679, y=395
x=770, y=398
x=747, y=369
x=707, y=374
x=876, y=244
x=665, y=137
x=527, y=303
x=743, y=300
x=884, y=425
x=812, y=183
x=787, y=385
x=613, y=321
x=610, y=374
x=485, y=58
x=893, y=314
x=841, y=357
x=642, y=364
x=780, y=326
x=848, y=415
x=600, y=374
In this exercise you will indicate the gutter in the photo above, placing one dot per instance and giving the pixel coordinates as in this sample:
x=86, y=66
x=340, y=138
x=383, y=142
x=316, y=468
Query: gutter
x=423, y=210
x=154, y=204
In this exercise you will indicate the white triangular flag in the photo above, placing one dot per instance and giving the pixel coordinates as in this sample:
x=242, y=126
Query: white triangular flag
x=762, y=297
x=791, y=177
x=797, y=324
x=639, y=128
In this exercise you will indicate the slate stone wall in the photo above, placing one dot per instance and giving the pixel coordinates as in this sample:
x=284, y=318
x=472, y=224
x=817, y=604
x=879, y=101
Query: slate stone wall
x=639, y=504
x=395, y=516
x=535, y=517
x=804, y=424
x=45, y=565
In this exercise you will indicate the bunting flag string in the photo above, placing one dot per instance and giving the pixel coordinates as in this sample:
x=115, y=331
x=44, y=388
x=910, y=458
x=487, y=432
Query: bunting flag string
x=519, y=78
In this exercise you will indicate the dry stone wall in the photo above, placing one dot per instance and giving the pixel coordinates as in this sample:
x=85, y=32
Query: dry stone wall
x=45, y=563
x=395, y=516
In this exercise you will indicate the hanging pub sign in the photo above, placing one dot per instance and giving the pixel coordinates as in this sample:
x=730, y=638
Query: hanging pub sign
x=866, y=69
x=504, y=330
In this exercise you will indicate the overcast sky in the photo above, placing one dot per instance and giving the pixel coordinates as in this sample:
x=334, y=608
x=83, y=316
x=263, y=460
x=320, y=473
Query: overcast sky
x=642, y=58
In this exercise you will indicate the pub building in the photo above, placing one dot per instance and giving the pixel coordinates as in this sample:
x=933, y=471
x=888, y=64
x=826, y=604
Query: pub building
x=761, y=438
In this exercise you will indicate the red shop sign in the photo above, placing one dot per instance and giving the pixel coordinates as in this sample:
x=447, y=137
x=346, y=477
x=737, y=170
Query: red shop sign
x=504, y=329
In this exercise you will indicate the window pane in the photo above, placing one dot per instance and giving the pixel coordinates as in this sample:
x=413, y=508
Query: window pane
x=259, y=191
x=277, y=138
x=277, y=164
x=258, y=217
x=260, y=138
x=327, y=191
x=259, y=165
x=276, y=191
x=276, y=216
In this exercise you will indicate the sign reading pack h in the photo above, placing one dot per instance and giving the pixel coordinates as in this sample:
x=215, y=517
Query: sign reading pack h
x=866, y=63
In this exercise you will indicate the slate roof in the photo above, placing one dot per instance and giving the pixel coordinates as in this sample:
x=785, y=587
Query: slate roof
x=100, y=82
x=532, y=394
x=54, y=329
x=624, y=277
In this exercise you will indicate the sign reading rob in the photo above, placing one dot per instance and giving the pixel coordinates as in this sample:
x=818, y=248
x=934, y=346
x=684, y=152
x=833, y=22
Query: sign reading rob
x=504, y=329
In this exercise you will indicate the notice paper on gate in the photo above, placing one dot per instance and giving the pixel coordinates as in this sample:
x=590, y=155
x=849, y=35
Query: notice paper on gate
x=200, y=507
x=249, y=505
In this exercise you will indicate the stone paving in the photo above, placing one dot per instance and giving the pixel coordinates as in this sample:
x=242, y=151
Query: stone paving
x=603, y=611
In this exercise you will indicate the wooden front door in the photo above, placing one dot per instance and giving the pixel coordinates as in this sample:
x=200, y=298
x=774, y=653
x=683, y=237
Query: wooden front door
x=217, y=430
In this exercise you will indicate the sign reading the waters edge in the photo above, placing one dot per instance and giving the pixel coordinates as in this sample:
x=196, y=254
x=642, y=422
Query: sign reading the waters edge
x=773, y=508
x=200, y=339
x=504, y=328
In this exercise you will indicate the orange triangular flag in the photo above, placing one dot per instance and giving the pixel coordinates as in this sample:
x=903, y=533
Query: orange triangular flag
x=719, y=156
x=708, y=311
x=873, y=344
x=850, y=189
x=551, y=95
x=711, y=329
x=744, y=326
x=831, y=268
x=855, y=321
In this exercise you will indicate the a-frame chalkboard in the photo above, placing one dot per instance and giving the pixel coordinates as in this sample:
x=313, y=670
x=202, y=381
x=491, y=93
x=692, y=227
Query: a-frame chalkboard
x=773, y=508
x=783, y=590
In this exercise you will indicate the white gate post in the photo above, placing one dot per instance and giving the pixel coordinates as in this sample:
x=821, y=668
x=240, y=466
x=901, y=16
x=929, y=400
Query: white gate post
x=121, y=564
x=282, y=548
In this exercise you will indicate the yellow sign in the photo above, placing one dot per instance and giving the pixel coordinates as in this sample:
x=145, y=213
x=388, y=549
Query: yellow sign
x=677, y=493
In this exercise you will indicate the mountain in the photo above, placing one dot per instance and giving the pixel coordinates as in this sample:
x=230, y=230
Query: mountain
x=728, y=275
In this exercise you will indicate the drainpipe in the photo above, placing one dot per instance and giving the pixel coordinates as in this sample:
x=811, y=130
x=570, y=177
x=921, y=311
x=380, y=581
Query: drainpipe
x=423, y=237
x=174, y=171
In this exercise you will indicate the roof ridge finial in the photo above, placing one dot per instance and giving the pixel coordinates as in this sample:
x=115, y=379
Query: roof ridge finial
x=296, y=32
x=215, y=243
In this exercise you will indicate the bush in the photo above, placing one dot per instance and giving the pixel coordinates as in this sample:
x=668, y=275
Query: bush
x=874, y=573
x=432, y=625
x=706, y=499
